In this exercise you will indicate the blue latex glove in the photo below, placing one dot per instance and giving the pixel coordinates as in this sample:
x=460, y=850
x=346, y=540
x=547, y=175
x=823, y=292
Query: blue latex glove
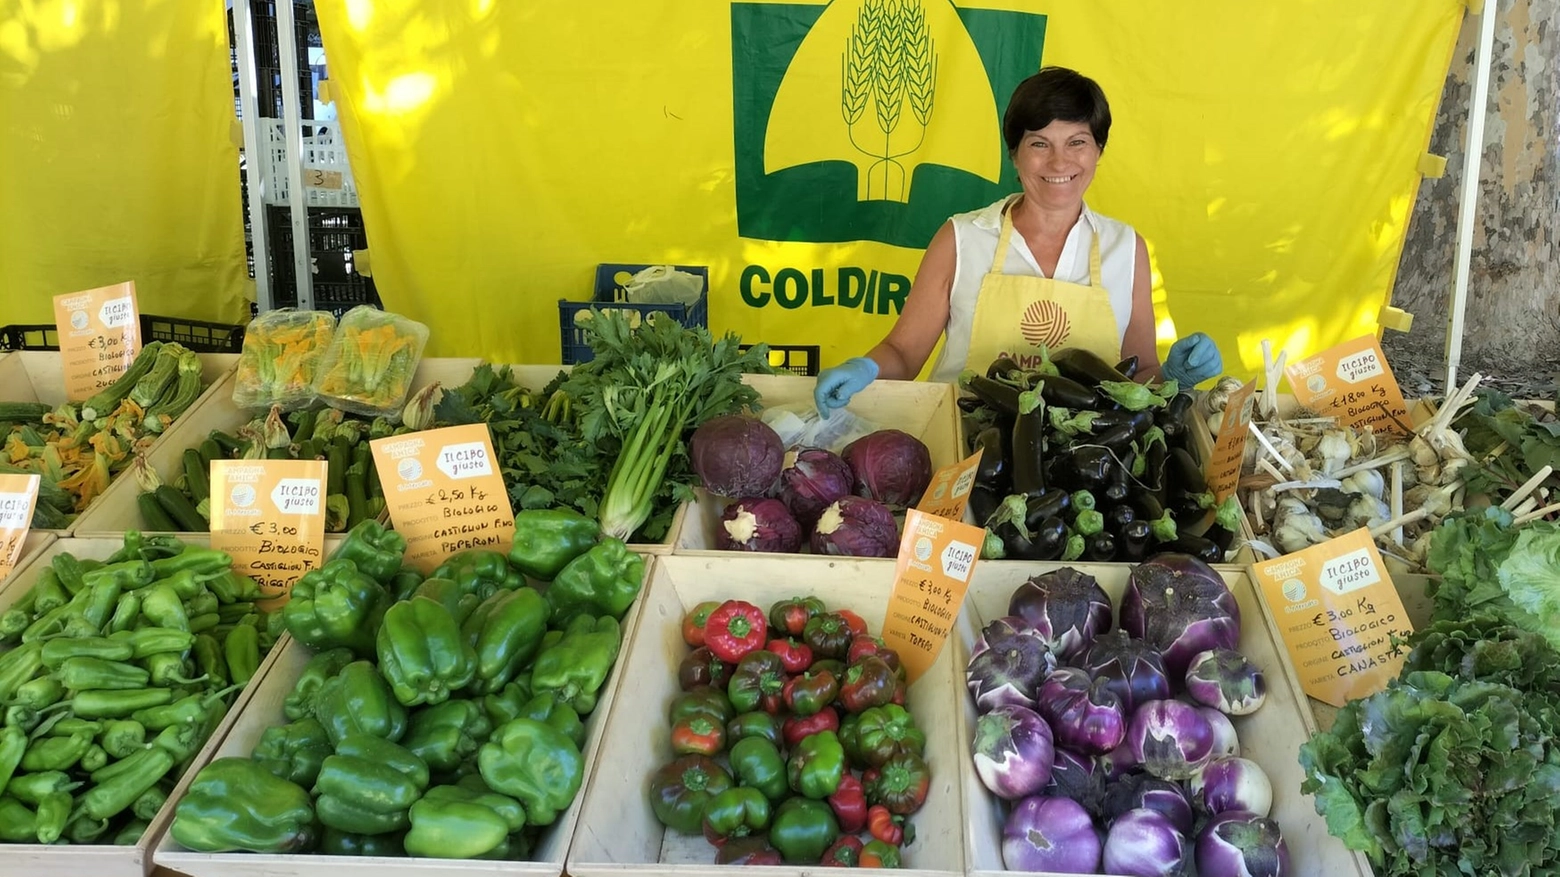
x=1192, y=360
x=836, y=385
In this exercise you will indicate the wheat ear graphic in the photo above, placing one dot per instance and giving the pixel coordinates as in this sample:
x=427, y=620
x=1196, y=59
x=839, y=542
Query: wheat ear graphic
x=888, y=69
x=856, y=65
x=920, y=64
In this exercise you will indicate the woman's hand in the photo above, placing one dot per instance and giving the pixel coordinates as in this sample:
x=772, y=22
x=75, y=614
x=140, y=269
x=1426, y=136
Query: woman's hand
x=1192, y=360
x=836, y=385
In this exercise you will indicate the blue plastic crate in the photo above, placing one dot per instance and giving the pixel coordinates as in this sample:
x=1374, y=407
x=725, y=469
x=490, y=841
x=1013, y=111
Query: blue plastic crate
x=610, y=277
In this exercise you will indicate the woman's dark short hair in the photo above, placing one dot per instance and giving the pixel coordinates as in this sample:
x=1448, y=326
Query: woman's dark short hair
x=1056, y=93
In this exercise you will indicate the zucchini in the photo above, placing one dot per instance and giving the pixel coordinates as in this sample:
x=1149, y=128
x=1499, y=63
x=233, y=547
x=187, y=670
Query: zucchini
x=108, y=398
x=23, y=412
x=210, y=450
x=152, y=515
x=178, y=507
x=230, y=446
x=186, y=389
x=197, y=481
x=338, y=457
x=151, y=386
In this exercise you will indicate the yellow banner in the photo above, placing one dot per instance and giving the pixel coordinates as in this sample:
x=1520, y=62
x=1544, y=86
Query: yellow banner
x=806, y=152
x=115, y=157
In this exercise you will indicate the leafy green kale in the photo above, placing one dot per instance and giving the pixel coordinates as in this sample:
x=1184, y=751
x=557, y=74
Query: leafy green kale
x=1495, y=421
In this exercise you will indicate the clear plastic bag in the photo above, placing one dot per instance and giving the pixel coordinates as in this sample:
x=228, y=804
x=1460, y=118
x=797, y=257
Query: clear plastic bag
x=800, y=426
x=664, y=284
x=282, y=353
x=369, y=366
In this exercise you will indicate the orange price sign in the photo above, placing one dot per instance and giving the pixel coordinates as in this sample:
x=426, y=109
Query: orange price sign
x=100, y=335
x=948, y=494
x=1354, y=382
x=1229, y=447
x=936, y=558
x=18, y=494
x=270, y=516
x=444, y=492
x=1339, y=614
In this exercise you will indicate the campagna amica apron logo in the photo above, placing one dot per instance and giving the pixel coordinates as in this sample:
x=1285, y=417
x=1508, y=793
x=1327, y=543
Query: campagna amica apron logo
x=872, y=119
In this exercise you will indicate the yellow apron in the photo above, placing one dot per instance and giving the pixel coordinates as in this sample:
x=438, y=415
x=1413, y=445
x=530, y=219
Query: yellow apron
x=1014, y=313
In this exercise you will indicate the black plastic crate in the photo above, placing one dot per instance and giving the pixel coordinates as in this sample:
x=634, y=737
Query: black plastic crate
x=198, y=335
x=334, y=233
x=268, y=58
x=798, y=359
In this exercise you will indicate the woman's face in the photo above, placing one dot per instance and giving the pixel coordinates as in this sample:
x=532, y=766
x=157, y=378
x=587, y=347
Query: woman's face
x=1056, y=163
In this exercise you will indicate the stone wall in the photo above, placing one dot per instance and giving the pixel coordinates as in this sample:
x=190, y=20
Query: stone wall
x=1514, y=284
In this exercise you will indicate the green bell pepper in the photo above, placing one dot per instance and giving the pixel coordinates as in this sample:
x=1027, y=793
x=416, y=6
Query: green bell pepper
x=802, y=829
x=505, y=631
x=758, y=682
x=704, y=700
x=371, y=792
x=810, y=692
x=236, y=804
x=403, y=583
x=450, y=829
x=357, y=700
x=446, y=734
x=534, y=763
x=294, y=751
x=506, y=704
x=459, y=602
x=736, y=812
x=816, y=766
x=547, y=709
x=758, y=764
x=603, y=581
x=473, y=790
x=480, y=572
x=375, y=551
x=546, y=540
x=300, y=701
x=883, y=732
x=336, y=605
x=680, y=790
x=901, y=784
x=574, y=662
x=334, y=842
x=422, y=653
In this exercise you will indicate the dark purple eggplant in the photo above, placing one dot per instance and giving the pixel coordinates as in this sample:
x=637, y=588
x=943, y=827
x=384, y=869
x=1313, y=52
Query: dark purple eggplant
x=1101, y=547
x=1148, y=506
x=1090, y=468
x=970, y=404
x=1066, y=393
x=1156, y=458
x=1108, y=420
x=1204, y=550
x=1128, y=366
x=1027, y=463
x=1132, y=546
x=993, y=468
x=1049, y=538
x=1118, y=516
x=1119, y=487
x=995, y=393
x=1052, y=502
x=1118, y=438
x=1173, y=418
x=983, y=502
x=1001, y=366
x=1085, y=367
x=1226, y=520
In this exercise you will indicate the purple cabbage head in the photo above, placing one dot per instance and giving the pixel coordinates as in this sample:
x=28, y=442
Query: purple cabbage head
x=1170, y=739
x=758, y=524
x=1227, y=681
x=1130, y=668
x=1144, y=843
x=813, y=478
x=856, y=527
x=1013, y=752
x=1067, y=607
x=1236, y=843
x=736, y=456
x=1182, y=607
x=1050, y=834
x=1085, y=715
x=1007, y=665
x=1139, y=790
x=890, y=466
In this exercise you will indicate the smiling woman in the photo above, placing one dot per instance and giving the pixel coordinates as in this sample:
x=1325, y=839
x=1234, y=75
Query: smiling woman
x=1036, y=268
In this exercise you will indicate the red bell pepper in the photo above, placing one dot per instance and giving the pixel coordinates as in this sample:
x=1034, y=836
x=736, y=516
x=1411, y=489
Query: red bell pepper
x=788, y=617
x=877, y=854
x=884, y=826
x=810, y=693
x=798, y=728
x=701, y=667
x=695, y=620
x=844, y=853
x=795, y=655
x=828, y=635
x=867, y=684
x=901, y=784
x=698, y=735
x=734, y=629
x=849, y=803
x=856, y=623
x=866, y=646
x=747, y=851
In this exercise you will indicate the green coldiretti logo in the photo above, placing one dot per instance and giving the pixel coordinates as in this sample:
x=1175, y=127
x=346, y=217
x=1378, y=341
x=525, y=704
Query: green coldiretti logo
x=872, y=119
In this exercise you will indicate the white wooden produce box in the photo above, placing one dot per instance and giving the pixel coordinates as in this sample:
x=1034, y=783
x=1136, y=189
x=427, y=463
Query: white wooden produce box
x=265, y=710
x=618, y=835
x=928, y=411
x=106, y=860
x=1271, y=736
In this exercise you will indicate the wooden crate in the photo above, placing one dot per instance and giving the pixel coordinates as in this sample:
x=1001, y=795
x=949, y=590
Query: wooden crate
x=925, y=410
x=618, y=835
x=116, y=510
x=36, y=376
x=1271, y=736
x=104, y=860
x=264, y=710
x=36, y=541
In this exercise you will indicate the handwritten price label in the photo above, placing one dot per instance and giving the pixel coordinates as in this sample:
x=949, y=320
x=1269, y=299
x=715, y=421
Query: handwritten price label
x=444, y=492
x=18, y=494
x=316, y=178
x=1339, y=614
x=936, y=558
x=1354, y=382
x=270, y=516
x=1229, y=448
x=948, y=494
x=100, y=336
